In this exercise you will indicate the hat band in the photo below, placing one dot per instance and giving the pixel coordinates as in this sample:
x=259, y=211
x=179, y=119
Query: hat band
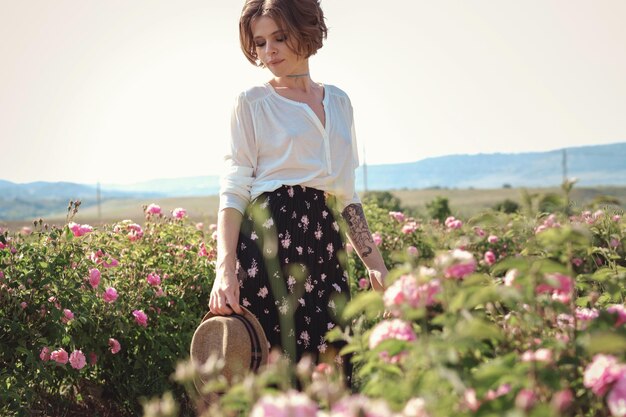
x=255, y=360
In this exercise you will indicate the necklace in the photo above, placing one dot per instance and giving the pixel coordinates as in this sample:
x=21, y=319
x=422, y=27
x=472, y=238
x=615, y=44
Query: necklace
x=297, y=75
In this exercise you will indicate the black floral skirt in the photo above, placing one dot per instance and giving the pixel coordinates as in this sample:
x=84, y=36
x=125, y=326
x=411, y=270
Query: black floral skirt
x=291, y=270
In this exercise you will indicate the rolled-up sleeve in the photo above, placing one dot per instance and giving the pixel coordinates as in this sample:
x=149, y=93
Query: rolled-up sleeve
x=240, y=158
x=355, y=162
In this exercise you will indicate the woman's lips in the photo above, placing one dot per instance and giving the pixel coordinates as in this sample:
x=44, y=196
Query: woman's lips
x=275, y=62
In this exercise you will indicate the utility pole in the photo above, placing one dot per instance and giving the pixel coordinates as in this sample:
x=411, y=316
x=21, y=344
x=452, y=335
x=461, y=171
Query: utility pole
x=564, y=163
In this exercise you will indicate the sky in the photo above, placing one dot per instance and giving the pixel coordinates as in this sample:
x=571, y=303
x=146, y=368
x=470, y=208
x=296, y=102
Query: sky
x=122, y=91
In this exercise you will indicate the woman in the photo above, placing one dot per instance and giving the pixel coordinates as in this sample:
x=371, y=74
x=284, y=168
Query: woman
x=291, y=164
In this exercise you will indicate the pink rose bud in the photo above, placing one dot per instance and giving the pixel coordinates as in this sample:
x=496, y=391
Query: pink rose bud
x=110, y=295
x=77, y=359
x=179, y=212
x=601, y=373
x=44, y=355
x=94, y=277
x=492, y=239
x=617, y=218
x=614, y=243
x=490, y=258
x=212, y=227
x=364, y=283
x=140, y=318
x=23, y=305
x=114, y=345
x=199, y=226
x=59, y=356
x=378, y=239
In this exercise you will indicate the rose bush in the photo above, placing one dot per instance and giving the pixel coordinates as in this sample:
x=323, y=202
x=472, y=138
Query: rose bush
x=501, y=314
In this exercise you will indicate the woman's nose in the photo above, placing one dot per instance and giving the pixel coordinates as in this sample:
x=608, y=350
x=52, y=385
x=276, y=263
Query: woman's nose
x=269, y=48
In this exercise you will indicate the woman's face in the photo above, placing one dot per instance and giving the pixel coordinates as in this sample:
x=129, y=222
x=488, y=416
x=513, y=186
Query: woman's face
x=272, y=48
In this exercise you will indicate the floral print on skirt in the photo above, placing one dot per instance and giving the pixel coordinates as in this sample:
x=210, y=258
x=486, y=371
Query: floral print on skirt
x=290, y=270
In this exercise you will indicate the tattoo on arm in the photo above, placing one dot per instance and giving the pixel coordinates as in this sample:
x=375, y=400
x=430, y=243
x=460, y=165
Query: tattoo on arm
x=358, y=230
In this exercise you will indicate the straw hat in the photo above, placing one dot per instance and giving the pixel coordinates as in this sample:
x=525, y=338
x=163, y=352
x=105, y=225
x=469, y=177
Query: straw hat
x=237, y=339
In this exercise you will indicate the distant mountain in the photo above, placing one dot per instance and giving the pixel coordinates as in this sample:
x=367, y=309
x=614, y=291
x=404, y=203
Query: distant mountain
x=592, y=165
x=38, y=199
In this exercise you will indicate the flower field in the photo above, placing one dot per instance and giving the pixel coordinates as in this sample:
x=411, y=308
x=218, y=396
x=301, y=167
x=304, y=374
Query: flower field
x=497, y=315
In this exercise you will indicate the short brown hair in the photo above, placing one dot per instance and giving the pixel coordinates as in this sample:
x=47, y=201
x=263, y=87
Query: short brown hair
x=303, y=20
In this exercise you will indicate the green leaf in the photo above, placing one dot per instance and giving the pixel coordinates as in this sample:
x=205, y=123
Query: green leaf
x=368, y=302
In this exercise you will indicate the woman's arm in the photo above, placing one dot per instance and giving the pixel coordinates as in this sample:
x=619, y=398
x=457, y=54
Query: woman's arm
x=361, y=239
x=225, y=291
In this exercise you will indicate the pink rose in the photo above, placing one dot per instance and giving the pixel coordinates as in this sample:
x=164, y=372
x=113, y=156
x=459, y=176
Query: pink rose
x=179, y=213
x=364, y=283
x=525, y=399
x=586, y=314
x=114, y=345
x=80, y=229
x=110, y=295
x=397, y=215
x=141, y=318
x=509, y=277
x=620, y=311
x=616, y=218
x=153, y=209
x=456, y=263
x=470, y=400
x=616, y=399
x=23, y=305
x=289, y=404
x=199, y=226
x=44, y=355
x=59, y=356
x=412, y=251
x=406, y=291
x=378, y=239
x=499, y=392
x=67, y=315
x=153, y=279
x=614, y=243
x=359, y=405
x=135, y=232
x=492, y=239
x=409, y=228
x=94, y=277
x=603, y=371
x=479, y=232
x=577, y=261
x=391, y=329
x=415, y=407
x=562, y=400
x=560, y=286
x=77, y=359
x=490, y=258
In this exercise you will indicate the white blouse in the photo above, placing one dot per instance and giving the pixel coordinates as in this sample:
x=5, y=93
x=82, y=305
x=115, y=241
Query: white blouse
x=276, y=141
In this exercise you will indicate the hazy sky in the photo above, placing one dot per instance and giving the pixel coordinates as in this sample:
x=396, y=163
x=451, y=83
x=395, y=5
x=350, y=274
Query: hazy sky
x=123, y=91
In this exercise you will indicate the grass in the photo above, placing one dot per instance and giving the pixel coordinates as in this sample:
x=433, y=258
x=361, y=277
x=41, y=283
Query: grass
x=463, y=203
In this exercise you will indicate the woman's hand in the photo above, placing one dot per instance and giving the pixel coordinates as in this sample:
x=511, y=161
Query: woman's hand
x=224, y=298
x=377, y=278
